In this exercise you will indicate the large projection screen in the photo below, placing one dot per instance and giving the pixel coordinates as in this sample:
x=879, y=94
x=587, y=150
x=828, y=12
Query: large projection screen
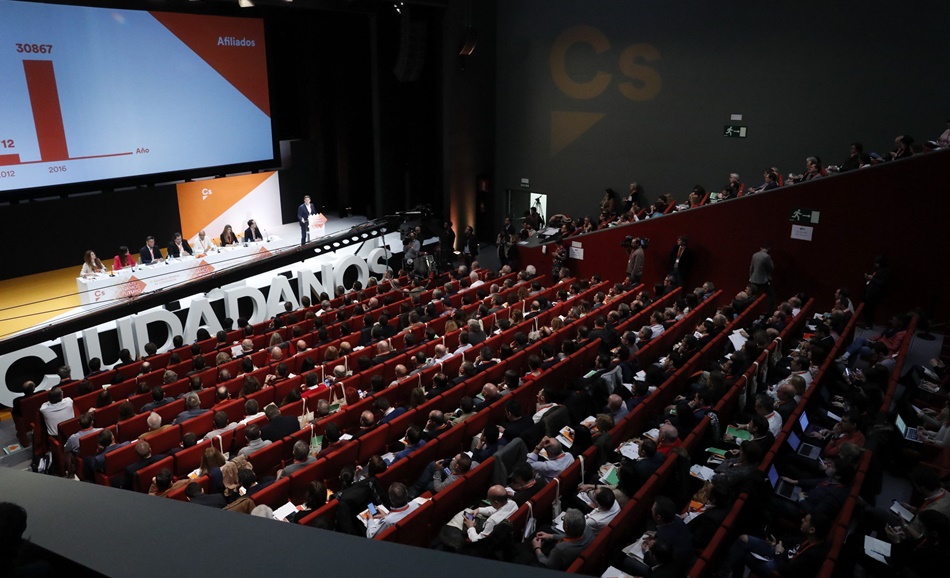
x=94, y=94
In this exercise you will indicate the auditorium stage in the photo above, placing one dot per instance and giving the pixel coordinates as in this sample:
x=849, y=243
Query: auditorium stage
x=45, y=298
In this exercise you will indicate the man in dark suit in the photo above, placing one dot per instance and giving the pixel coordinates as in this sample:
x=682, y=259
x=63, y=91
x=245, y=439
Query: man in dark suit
x=486, y=359
x=446, y=246
x=705, y=525
x=681, y=261
x=384, y=353
x=388, y=412
x=366, y=333
x=469, y=246
x=609, y=338
x=192, y=408
x=517, y=423
x=672, y=529
x=476, y=335
x=252, y=233
x=278, y=426
x=649, y=462
x=179, y=247
x=196, y=496
x=144, y=452
x=303, y=217
x=149, y=253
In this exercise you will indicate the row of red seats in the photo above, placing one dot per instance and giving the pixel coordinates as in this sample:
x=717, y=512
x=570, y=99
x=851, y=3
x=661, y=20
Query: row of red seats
x=130, y=429
x=107, y=416
x=474, y=490
x=30, y=405
x=449, y=443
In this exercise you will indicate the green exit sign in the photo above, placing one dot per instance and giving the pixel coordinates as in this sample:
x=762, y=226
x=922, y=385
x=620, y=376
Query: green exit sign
x=810, y=216
x=734, y=131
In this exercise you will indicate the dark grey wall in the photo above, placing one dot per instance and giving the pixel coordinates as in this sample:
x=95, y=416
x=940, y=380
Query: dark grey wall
x=808, y=77
x=468, y=120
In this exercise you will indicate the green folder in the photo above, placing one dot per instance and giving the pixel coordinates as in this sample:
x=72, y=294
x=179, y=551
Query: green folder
x=739, y=434
x=717, y=451
x=612, y=478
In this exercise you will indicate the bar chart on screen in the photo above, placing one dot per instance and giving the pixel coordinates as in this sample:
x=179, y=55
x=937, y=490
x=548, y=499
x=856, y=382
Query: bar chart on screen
x=98, y=95
x=48, y=117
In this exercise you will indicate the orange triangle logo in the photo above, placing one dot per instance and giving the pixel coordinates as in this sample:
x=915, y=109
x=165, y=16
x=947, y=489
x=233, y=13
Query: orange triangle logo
x=131, y=288
x=566, y=127
x=197, y=200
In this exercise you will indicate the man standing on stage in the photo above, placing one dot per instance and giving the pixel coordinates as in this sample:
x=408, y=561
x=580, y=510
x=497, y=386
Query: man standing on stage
x=303, y=217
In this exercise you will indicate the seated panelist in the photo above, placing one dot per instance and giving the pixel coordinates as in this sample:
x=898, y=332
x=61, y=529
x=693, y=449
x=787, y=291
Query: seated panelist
x=149, y=252
x=203, y=243
x=228, y=237
x=179, y=247
x=252, y=233
x=91, y=265
x=123, y=260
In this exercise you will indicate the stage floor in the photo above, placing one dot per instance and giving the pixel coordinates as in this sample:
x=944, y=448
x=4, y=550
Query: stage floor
x=45, y=298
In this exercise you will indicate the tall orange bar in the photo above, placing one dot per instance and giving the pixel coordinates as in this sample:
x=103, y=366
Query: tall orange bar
x=47, y=114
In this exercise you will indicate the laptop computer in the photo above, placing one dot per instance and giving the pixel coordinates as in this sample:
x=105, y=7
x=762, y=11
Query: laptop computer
x=909, y=433
x=807, y=427
x=783, y=488
x=805, y=450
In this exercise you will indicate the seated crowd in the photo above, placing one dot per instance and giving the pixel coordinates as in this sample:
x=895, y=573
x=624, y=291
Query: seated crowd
x=562, y=423
x=617, y=209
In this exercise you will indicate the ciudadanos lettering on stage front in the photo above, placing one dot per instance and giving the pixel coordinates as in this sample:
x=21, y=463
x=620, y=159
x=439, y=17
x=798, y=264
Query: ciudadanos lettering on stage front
x=134, y=331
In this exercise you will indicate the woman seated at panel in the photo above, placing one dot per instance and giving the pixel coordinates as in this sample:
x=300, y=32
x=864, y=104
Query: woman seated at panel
x=91, y=265
x=123, y=259
x=228, y=237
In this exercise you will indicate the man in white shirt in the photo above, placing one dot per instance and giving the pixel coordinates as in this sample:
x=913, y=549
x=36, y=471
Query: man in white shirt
x=441, y=353
x=607, y=508
x=57, y=409
x=498, y=510
x=765, y=406
x=252, y=411
x=202, y=243
x=657, y=328
x=476, y=282
x=543, y=406
x=557, y=460
x=464, y=344
x=400, y=507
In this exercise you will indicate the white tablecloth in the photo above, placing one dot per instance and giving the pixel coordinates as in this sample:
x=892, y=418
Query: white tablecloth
x=128, y=284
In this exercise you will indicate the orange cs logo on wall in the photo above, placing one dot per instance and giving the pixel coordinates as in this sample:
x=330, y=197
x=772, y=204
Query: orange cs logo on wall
x=640, y=81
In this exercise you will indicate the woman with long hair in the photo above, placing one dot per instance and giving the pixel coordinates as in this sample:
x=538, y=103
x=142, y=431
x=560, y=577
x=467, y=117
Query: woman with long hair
x=211, y=462
x=123, y=259
x=228, y=237
x=91, y=264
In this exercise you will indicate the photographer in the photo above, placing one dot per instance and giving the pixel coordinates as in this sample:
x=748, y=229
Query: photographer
x=634, y=249
x=411, y=247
